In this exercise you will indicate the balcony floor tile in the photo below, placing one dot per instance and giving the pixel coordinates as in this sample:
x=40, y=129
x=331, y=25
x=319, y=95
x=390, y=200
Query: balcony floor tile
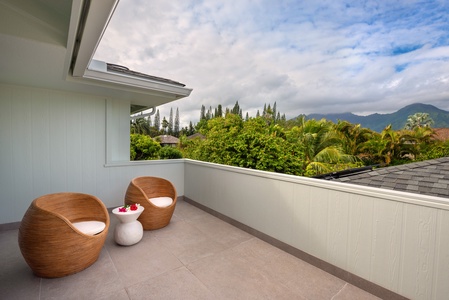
x=197, y=256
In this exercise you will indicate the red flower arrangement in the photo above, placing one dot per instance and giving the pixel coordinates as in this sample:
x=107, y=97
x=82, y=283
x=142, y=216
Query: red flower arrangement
x=128, y=207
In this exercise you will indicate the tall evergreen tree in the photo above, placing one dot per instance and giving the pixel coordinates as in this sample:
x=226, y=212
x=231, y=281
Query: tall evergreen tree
x=203, y=113
x=247, y=116
x=157, y=121
x=219, y=113
x=176, y=130
x=283, y=118
x=164, y=125
x=191, y=128
x=275, y=113
x=170, y=122
x=236, y=109
x=209, y=113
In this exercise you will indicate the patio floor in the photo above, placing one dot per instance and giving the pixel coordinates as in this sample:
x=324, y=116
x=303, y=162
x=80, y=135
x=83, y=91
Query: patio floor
x=197, y=256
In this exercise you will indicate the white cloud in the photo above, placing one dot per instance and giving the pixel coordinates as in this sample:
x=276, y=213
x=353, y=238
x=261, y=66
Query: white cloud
x=308, y=56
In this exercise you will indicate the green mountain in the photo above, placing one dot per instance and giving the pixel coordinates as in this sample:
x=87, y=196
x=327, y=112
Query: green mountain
x=378, y=122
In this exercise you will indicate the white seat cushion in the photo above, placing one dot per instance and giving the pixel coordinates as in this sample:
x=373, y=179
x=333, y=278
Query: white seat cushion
x=161, y=201
x=90, y=227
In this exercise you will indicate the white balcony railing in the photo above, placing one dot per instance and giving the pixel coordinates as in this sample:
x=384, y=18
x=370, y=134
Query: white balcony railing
x=397, y=240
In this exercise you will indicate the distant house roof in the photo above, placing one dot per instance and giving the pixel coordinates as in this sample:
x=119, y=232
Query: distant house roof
x=196, y=135
x=441, y=134
x=167, y=139
x=429, y=177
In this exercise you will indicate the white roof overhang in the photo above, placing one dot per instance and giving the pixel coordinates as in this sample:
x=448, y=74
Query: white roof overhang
x=50, y=44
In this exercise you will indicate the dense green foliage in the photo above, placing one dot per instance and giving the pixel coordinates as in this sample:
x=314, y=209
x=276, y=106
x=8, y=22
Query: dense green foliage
x=248, y=144
x=169, y=153
x=300, y=147
x=307, y=147
x=259, y=143
x=143, y=147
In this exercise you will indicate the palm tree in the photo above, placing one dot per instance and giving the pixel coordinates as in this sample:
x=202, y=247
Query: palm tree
x=140, y=126
x=392, y=140
x=322, y=147
x=420, y=138
x=353, y=136
x=389, y=146
x=372, y=150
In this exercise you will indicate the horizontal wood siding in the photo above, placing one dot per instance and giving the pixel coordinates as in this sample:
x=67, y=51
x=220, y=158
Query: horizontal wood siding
x=53, y=141
x=397, y=240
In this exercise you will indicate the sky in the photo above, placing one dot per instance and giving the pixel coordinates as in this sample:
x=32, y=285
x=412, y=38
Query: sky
x=327, y=56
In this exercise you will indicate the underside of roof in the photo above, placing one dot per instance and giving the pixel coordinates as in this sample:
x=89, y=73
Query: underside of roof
x=50, y=44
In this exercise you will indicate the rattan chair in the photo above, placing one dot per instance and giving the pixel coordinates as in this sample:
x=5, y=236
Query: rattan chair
x=141, y=190
x=50, y=242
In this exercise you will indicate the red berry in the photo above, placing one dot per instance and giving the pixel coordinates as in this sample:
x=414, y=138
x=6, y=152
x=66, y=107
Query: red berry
x=134, y=207
x=122, y=209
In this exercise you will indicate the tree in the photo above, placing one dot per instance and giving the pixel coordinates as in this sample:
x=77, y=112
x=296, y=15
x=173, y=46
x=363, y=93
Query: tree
x=418, y=120
x=268, y=115
x=170, y=122
x=420, y=139
x=169, y=153
x=176, y=129
x=191, y=128
x=142, y=147
x=203, y=113
x=373, y=150
x=249, y=144
x=140, y=126
x=389, y=147
x=209, y=114
x=164, y=125
x=157, y=121
x=322, y=148
x=352, y=136
x=236, y=109
x=266, y=148
x=219, y=113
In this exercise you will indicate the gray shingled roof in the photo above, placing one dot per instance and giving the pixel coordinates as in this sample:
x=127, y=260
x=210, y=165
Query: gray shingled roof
x=429, y=177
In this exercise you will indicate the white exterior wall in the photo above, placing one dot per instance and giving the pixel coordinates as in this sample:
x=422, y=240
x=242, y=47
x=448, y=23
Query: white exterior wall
x=397, y=240
x=53, y=141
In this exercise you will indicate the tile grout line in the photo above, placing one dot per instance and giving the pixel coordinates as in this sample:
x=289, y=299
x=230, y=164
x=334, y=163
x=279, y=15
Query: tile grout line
x=333, y=297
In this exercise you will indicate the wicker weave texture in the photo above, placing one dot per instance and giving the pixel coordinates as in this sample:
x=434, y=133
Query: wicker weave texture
x=140, y=189
x=50, y=244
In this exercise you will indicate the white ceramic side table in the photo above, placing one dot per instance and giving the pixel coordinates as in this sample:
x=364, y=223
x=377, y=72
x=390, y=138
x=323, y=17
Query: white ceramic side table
x=129, y=231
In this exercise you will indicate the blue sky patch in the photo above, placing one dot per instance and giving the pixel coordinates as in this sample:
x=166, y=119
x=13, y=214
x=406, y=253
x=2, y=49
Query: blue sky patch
x=405, y=49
